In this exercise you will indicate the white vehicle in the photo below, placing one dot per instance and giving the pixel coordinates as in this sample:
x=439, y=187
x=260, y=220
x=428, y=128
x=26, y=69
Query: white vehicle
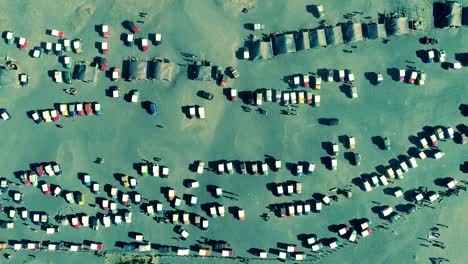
x=221, y=211
x=383, y=180
x=115, y=93
x=423, y=143
x=35, y=117
x=201, y=167
x=341, y=75
x=259, y=98
x=229, y=167
x=353, y=92
x=106, y=221
x=277, y=165
x=351, y=142
x=220, y=168
x=418, y=197
x=66, y=44
x=279, y=189
x=399, y=173
x=451, y=183
x=386, y=211
x=390, y=173
x=438, y=154
x=422, y=154
x=246, y=53
x=49, y=170
x=268, y=95
x=85, y=220
x=194, y=184
x=37, y=53
x=213, y=212
x=58, y=48
x=289, y=189
x=135, y=96
x=201, y=112
x=412, y=162
x=335, y=148
x=430, y=55
x=456, y=65
x=296, y=81
x=58, y=77
x=367, y=186
x=334, y=163
x=286, y=98
x=316, y=100
x=326, y=200
x=5, y=115
x=449, y=133
x=310, y=168
x=48, y=47
x=265, y=168
x=293, y=97
x=397, y=192
x=402, y=74
x=182, y=251
x=349, y=76
x=403, y=166
x=432, y=196
x=165, y=171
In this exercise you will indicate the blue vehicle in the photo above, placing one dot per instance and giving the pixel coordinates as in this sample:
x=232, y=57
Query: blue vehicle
x=71, y=110
x=152, y=109
x=97, y=109
x=386, y=142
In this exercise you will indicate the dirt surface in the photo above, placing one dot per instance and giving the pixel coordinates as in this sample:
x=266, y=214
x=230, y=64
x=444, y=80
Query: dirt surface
x=214, y=30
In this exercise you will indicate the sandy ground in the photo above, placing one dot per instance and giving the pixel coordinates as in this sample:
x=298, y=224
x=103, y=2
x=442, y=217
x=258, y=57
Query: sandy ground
x=213, y=30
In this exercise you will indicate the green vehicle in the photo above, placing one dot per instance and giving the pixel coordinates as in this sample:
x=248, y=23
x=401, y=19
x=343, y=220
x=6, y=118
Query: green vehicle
x=66, y=45
x=10, y=37
x=67, y=77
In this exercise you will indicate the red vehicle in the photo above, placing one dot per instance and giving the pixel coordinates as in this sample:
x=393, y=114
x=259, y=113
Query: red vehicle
x=55, y=115
x=133, y=27
x=40, y=171
x=144, y=44
x=233, y=94
x=25, y=179
x=103, y=63
x=104, y=47
x=105, y=31
x=75, y=222
x=46, y=188
x=88, y=109
x=223, y=80
x=79, y=109
x=23, y=43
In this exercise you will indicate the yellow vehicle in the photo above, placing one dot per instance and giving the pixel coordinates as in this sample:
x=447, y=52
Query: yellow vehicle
x=64, y=110
x=125, y=181
x=318, y=82
x=80, y=198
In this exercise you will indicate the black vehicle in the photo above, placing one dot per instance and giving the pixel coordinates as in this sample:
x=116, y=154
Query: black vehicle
x=205, y=95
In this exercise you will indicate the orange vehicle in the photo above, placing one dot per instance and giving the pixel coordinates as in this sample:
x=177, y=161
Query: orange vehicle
x=88, y=109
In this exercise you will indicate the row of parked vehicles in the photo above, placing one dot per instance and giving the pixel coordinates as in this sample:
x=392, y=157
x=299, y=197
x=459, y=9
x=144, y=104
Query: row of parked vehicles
x=299, y=208
x=315, y=81
x=66, y=110
x=282, y=97
x=52, y=246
